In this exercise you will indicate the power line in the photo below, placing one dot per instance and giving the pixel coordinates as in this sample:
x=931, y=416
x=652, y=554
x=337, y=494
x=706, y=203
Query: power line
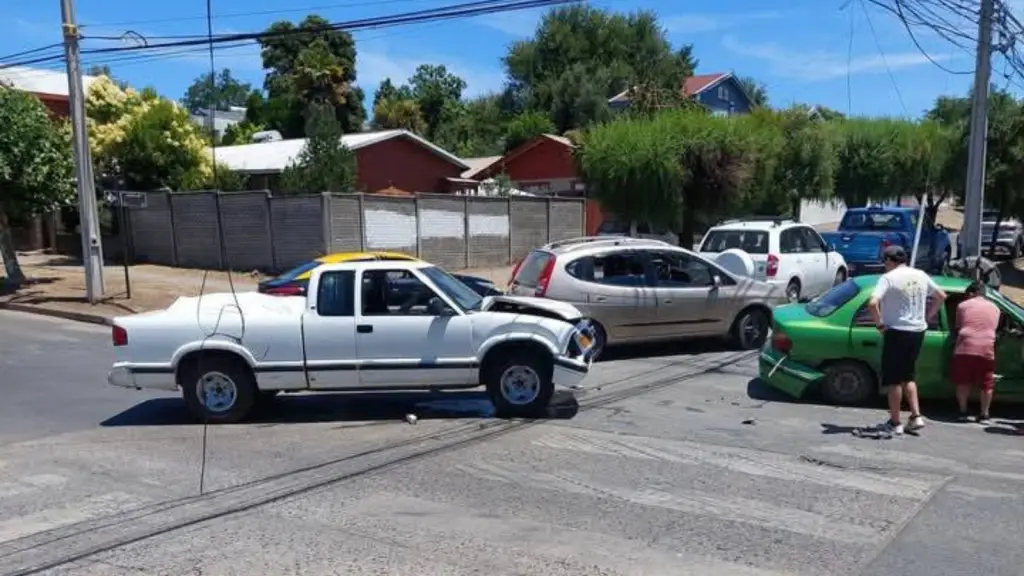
x=56, y=46
x=885, y=61
x=228, y=15
x=444, y=13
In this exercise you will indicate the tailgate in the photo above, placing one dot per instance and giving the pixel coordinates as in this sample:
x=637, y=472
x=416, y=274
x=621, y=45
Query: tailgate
x=857, y=246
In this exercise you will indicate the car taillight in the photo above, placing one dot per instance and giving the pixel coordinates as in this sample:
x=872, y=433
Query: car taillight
x=515, y=271
x=545, y=277
x=119, y=336
x=781, y=342
x=773, y=266
x=885, y=243
x=286, y=290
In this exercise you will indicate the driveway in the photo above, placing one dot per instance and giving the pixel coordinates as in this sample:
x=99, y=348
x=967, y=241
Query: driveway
x=672, y=464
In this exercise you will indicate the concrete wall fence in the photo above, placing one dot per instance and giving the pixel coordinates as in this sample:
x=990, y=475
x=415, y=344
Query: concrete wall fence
x=274, y=233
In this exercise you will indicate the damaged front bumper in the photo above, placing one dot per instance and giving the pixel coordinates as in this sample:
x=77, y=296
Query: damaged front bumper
x=779, y=371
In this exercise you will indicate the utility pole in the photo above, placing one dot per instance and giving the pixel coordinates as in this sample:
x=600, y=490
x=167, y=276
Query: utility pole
x=970, y=233
x=92, y=247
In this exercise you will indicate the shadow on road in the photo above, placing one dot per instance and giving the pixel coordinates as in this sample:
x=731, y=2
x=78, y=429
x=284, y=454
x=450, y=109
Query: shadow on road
x=366, y=409
x=663, y=349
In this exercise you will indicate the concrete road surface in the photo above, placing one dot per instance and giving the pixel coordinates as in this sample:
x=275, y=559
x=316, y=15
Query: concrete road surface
x=675, y=464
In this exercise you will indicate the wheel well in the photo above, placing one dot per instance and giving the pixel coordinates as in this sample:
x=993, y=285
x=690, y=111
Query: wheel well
x=194, y=360
x=767, y=311
x=795, y=280
x=824, y=366
x=511, y=347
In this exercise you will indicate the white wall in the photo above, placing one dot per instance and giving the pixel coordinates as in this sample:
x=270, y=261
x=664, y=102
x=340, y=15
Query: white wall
x=815, y=212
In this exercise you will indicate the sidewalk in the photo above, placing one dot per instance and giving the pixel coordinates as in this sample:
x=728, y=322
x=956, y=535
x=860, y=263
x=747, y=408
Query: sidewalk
x=56, y=287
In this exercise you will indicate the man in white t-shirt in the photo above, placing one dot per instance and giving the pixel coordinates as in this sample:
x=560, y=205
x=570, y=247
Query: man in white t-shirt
x=903, y=302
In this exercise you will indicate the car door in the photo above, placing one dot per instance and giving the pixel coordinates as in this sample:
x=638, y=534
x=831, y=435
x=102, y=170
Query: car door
x=619, y=294
x=815, y=261
x=401, y=343
x=866, y=342
x=1010, y=356
x=329, y=333
x=689, y=303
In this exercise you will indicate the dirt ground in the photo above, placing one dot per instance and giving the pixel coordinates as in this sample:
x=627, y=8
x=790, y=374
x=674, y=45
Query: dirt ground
x=57, y=283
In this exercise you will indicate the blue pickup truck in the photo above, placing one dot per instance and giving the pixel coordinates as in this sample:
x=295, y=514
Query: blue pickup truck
x=864, y=232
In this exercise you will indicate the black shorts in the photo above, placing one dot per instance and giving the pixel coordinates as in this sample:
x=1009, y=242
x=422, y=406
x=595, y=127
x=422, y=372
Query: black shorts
x=900, y=349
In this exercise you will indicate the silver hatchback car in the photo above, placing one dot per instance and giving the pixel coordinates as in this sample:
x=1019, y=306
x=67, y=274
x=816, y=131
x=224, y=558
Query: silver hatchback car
x=637, y=290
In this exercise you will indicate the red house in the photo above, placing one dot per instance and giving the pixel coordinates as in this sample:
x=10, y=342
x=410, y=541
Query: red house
x=49, y=86
x=385, y=160
x=542, y=166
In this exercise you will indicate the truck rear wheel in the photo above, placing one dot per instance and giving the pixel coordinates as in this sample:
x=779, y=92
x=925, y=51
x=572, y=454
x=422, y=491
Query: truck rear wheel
x=519, y=383
x=218, y=389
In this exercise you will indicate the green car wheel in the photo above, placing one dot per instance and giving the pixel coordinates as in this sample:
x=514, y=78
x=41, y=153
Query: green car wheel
x=848, y=383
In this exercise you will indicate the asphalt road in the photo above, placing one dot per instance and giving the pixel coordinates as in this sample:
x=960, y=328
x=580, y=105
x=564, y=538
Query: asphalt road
x=674, y=464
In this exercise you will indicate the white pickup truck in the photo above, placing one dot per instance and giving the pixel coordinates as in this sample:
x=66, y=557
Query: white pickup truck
x=409, y=326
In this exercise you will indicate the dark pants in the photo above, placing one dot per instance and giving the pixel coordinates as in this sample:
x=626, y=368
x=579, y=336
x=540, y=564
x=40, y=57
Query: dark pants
x=900, y=349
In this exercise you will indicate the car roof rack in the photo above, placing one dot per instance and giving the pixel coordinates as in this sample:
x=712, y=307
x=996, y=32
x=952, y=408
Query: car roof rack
x=611, y=239
x=776, y=220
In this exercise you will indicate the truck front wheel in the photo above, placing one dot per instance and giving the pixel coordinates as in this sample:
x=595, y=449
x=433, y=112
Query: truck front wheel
x=218, y=389
x=519, y=383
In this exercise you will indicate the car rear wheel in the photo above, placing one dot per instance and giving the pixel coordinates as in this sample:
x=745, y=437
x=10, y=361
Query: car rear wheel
x=519, y=383
x=793, y=291
x=750, y=330
x=218, y=390
x=848, y=383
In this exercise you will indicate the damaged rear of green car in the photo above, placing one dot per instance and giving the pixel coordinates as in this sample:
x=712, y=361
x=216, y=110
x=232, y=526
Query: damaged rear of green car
x=831, y=346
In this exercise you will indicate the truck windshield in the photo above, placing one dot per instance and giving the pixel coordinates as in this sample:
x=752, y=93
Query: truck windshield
x=462, y=295
x=872, y=221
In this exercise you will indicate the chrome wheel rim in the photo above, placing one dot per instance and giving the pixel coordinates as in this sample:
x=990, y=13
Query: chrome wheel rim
x=751, y=329
x=793, y=294
x=520, y=385
x=217, y=392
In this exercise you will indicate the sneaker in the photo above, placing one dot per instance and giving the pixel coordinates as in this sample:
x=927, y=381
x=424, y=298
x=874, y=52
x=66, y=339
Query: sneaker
x=983, y=419
x=890, y=427
x=915, y=423
x=964, y=418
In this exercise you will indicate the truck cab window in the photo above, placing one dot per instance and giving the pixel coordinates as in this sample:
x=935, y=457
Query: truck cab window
x=335, y=295
x=395, y=293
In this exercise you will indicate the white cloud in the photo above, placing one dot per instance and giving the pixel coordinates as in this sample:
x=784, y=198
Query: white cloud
x=374, y=66
x=703, y=23
x=819, y=65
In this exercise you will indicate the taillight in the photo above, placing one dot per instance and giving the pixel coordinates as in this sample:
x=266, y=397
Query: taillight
x=286, y=290
x=885, y=243
x=773, y=266
x=515, y=271
x=781, y=342
x=545, y=277
x=119, y=336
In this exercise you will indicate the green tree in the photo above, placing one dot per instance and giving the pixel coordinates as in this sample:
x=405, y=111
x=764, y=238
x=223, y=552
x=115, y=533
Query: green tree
x=676, y=168
x=526, y=127
x=306, y=63
x=222, y=91
x=865, y=156
x=325, y=164
x=435, y=90
x=756, y=91
x=473, y=128
x=240, y=133
x=398, y=114
x=579, y=57
x=151, y=154
x=388, y=91
x=36, y=168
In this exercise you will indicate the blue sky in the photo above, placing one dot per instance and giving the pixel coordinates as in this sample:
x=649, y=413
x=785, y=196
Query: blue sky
x=799, y=48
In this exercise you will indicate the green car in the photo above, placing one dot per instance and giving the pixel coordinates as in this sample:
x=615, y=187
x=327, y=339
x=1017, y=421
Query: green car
x=831, y=345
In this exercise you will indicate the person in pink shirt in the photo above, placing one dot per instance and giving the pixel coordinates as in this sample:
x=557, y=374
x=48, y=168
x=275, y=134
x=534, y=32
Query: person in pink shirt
x=974, y=358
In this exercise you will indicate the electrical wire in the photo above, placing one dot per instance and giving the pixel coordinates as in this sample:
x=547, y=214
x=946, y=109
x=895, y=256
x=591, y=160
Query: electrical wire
x=58, y=46
x=463, y=10
x=885, y=61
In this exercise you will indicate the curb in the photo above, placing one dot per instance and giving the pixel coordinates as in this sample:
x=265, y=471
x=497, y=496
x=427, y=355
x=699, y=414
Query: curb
x=74, y=316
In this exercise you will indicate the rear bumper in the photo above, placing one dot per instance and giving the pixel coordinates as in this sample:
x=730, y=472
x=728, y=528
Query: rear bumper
x=857, y=268
x=124, y=375
x=784, y=374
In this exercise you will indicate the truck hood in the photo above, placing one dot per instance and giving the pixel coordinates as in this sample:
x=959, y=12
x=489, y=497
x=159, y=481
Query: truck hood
x=531, y=305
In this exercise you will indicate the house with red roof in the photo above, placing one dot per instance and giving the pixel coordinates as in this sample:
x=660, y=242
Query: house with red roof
x=722, y=93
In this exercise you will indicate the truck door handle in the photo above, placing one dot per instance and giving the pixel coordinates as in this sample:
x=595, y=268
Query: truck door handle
x=364, y=328
x=666, y=301
x=868, y=344
x=599, y=298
